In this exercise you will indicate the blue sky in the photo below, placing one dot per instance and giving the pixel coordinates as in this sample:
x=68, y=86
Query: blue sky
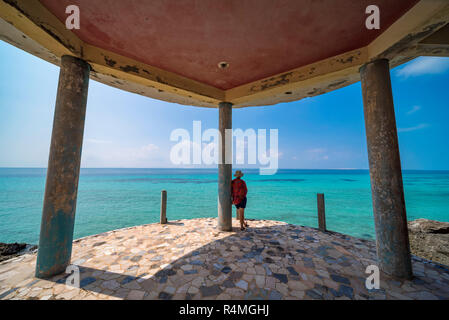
x=128, y=130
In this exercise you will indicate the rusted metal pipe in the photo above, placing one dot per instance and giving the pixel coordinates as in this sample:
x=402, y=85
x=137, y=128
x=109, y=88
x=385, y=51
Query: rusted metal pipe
x=163, y=219
x=393, y=249
x=321, y=212
x=58, y=215
x=225, y=168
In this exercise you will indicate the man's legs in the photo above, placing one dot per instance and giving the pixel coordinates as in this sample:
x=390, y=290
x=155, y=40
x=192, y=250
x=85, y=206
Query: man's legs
x=242, y=218
x=244, y=221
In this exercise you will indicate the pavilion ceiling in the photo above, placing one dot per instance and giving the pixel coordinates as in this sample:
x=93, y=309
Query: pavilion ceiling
x=248, y=52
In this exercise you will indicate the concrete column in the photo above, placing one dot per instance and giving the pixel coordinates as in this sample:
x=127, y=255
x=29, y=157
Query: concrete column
x=225, y=168
x=58, y=216
x=393, y=249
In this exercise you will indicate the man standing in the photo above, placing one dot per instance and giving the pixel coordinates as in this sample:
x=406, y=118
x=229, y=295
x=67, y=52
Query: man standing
x=238, y=192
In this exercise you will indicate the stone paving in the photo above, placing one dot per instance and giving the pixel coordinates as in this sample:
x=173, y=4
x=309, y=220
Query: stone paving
x=191, y=259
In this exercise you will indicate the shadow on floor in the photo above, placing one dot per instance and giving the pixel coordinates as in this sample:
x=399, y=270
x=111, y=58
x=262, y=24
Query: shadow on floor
x=291, y=261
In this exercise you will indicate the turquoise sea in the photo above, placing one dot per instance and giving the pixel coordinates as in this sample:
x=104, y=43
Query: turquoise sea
x=115, y=198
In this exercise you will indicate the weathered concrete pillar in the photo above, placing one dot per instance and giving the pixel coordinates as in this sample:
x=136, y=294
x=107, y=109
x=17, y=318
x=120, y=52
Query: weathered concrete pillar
x=163, y=218
x=58, y=216
x=225, y=168
x=393, y=249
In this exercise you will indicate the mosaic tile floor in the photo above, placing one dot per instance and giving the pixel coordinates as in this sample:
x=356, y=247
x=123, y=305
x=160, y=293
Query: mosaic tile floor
x=191, y=259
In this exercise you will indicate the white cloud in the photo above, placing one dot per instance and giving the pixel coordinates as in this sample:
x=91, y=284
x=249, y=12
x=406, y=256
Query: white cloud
x=316, y=150
x=418, y=127
x=317, y=154
x=413, y=110
x=107, y=154
x=97, y=141
x=422, y=66
x=143, y=152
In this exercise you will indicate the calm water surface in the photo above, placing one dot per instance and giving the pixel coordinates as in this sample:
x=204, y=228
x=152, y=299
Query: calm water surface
x=115, y=198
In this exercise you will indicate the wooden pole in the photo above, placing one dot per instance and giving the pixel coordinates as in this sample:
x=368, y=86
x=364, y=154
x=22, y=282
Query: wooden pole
x=321, y=212
x=163, y=219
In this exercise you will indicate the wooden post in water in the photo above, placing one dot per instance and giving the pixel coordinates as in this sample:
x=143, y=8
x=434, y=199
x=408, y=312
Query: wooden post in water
x=163, y=207
x=321, y=212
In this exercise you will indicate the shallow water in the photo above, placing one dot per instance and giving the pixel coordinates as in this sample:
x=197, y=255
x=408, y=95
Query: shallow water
x=115, y=198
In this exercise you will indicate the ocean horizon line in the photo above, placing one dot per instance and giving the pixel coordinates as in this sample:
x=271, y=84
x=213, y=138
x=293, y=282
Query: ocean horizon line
x=241, y=168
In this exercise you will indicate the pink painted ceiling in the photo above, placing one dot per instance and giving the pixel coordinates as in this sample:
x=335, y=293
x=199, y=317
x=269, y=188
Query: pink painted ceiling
x=258, y=38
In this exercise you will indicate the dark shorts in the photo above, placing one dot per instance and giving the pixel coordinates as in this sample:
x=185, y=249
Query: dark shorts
x=242, y=204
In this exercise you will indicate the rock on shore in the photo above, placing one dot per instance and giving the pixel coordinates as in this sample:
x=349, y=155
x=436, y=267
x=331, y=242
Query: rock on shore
x=11, y=250
x=429, y=239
